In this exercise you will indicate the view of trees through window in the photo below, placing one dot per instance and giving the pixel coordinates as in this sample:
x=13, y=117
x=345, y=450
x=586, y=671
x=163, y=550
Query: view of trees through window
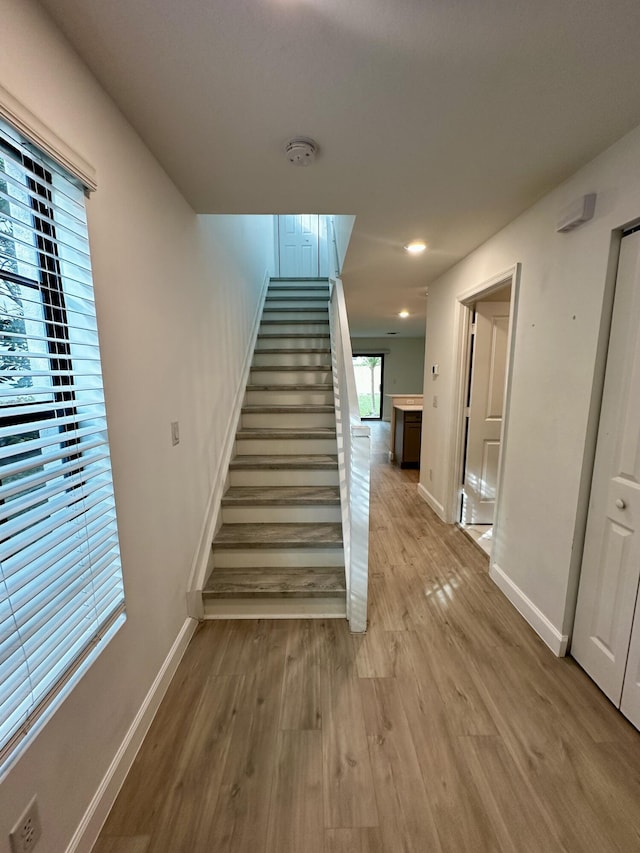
x=13, y=341
x=368, y=373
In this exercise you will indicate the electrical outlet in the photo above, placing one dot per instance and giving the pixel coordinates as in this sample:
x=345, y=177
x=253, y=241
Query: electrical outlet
x=175, y=432
x=435, y=401
x=25, y=834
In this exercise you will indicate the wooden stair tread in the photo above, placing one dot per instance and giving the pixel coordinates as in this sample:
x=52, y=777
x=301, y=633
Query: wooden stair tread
x=287, y=535
x=276, y=582
x=282, y=496
x=284, y=461
x=283, y=432
x=290, y=410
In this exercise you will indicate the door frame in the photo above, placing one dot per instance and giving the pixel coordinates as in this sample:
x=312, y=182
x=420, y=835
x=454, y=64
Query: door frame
x=366, y=353
x=462, y=341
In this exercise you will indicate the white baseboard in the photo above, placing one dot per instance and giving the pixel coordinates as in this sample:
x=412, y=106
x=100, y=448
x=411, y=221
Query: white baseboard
x=435, y=505
x=87, y=832
x=553, y=638
x=199, y=569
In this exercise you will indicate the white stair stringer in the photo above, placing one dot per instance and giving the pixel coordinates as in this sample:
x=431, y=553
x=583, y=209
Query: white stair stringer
x=279, y=552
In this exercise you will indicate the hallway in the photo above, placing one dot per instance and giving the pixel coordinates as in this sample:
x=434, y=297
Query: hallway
x=449, y=726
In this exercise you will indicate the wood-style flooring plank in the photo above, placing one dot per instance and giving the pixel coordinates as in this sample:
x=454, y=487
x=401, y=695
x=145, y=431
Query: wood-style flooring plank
x=349, y=795
x=406, y=820
x=145, y=788
x=239, y=821
x=182, y=823
x=296, y=817
x=122, y=845
x=444, y=773
x=519, y=819
x=301, y=707
x=361, y=840
x=553, y=754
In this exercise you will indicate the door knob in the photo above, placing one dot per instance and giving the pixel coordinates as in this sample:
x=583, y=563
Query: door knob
x=620, y=503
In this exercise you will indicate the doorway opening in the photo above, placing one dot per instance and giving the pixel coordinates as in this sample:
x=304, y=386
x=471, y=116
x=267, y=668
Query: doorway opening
x=486, y=318
x=369, y=370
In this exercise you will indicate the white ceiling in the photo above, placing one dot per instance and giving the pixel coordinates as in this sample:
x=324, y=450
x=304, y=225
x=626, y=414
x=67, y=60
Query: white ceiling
x=439, y=119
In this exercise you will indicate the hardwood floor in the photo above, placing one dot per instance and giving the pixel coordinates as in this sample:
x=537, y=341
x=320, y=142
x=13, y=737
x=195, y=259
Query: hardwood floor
x=449, y=726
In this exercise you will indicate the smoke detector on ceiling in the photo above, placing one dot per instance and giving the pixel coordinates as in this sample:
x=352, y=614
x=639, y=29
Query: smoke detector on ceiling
x=301, y=151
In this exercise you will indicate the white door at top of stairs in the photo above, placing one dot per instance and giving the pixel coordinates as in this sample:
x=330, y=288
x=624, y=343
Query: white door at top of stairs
x=302, y=246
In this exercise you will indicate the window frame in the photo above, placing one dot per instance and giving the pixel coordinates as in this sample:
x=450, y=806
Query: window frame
x=86, y=462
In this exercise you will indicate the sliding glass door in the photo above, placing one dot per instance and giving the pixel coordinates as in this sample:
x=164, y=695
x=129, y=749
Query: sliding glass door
x=368, y=369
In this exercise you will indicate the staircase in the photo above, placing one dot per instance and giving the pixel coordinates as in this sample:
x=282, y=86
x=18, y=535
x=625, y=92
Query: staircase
x=279, y=551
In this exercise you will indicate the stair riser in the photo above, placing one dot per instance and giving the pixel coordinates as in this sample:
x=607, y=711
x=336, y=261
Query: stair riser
x=295, y=292
x=287, y=328
x=280, y=514
x=290, y=377
x=285, y=420
x=278, y=342
x=318, y=316
x=229, y=558
x=275, y=608
x=282, y=446
x=284, y=477
x=299, y=298
x=289, y=398
x=292, y=359
x=286, y=300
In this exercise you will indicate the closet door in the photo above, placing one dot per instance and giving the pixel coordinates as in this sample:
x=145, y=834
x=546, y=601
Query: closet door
x=611, y=563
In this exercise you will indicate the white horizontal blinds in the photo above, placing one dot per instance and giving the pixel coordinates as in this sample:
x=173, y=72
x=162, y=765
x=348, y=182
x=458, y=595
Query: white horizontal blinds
x=60, y=577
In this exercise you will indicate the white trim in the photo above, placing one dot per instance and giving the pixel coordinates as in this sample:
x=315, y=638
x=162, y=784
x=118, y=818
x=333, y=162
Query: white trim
x=435, y=505
x=201, y=562
x=462, y=324
x=504, y=433
x=462, y=329
x=29, y=125
x=93, y=819
x=490, y=285
x=276, y=244
x=276, y=608
x=545, y=629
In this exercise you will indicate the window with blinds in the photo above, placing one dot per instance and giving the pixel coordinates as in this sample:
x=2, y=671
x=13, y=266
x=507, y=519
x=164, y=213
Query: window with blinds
x=61, y=591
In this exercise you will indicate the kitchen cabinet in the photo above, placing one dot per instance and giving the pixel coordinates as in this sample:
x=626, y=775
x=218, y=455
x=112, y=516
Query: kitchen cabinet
x=408, y=434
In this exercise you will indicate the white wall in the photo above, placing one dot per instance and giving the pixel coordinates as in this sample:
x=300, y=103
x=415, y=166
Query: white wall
x=343, y=225
x=560, y=341
x=403, y=365
x=176, y=297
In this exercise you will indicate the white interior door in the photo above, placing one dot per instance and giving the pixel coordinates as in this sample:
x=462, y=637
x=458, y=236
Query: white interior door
x=611, y=562
x=298, y=245
x=486, y=406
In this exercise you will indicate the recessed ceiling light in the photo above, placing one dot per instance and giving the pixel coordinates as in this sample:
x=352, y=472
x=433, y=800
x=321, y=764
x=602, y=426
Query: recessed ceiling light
x=415, y=247
x=403, y=314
